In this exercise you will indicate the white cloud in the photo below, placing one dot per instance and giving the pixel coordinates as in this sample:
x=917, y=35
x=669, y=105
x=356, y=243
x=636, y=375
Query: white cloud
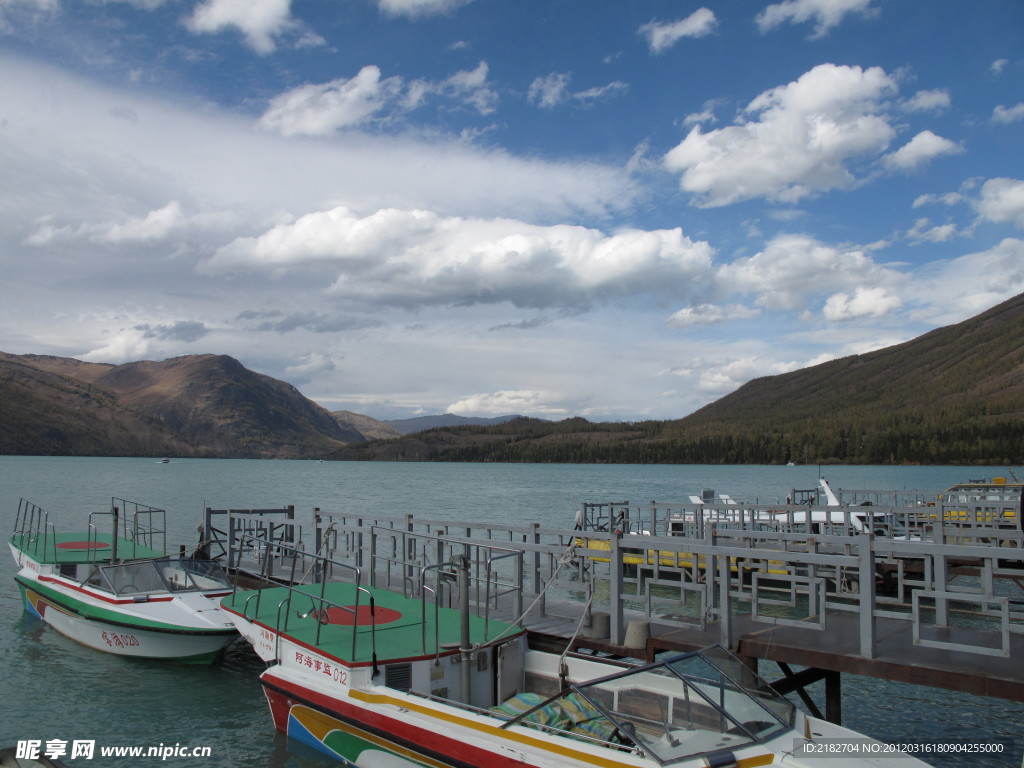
x=922, y=231
x=505, y=403
x=998, y=66
x=662, y=35
x=324, y=108
x=416, y=258
x=952, y=291
x=550, y=90
x=600, y=92
x=415, y=8
x=928, y=101
x=553, y=89
x=156, y=225
x=710, y=314
x=865, y=302
x=1008, y=115
x=950, y=198
x=793, y=269
x=797, y=142
x=321, y=109
x=1002, y=200
x=260, y=21
x=921, y=149
x=720, y=376
x=826, y=14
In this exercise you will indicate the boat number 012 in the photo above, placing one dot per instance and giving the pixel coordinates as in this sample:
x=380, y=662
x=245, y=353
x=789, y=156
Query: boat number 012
x=121, y=641
x=335, y=672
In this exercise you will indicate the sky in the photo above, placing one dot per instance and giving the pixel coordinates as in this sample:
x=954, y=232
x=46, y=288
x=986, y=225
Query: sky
x=615, y=209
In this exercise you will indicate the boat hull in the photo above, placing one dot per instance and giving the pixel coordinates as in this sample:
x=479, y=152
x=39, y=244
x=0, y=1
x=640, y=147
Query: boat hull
x=358, y=737
x=124, y=638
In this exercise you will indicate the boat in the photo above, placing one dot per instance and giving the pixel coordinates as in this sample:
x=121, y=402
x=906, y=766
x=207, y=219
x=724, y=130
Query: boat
x=372, y=678
x=11, y=757
x=993, y=501
x=115, y=591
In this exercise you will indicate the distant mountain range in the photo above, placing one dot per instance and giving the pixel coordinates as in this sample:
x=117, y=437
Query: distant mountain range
x=955, y=395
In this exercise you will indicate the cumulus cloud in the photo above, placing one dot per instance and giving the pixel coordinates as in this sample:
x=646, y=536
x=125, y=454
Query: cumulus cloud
x=261, y=22
x=1002, y=200
x=417, y=258
x=928, y=101
x=825, y=14
x=508, y=402
x=662, y=35
x=710, y=314
x=921, y=149
x=795, y=142
x=998, y=66
x=415, y=8
x=864, y=302
x=156, y=225
x=794, y=268
x=1008, y=115
x=321, y=109
x=719, y=376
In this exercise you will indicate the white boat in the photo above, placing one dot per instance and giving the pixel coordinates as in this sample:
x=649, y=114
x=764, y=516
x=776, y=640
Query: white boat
x=118, y=594
x=375, y=679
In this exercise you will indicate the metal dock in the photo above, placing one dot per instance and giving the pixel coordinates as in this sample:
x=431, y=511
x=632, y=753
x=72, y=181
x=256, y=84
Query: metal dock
x=929, y=595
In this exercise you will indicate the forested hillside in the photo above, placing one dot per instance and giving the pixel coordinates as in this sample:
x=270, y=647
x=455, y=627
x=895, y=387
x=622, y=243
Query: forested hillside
x=952, y=396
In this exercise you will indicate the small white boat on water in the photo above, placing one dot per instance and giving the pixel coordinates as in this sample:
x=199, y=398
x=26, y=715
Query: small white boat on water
x=115, y=592
x=373, y=678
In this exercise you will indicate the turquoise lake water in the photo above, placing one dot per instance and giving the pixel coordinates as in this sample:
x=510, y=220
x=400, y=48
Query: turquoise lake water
x=52, y=688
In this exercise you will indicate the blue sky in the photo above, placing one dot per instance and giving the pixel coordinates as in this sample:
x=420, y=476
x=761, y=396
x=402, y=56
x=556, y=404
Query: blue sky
x=619, y=210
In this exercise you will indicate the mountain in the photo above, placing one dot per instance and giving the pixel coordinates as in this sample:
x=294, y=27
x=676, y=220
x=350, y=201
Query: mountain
x=197, y=405
x=422, y=423
x=952, y=396
x=368, y=427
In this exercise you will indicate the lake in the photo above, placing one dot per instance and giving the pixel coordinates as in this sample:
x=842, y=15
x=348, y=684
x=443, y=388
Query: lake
x=52, y=688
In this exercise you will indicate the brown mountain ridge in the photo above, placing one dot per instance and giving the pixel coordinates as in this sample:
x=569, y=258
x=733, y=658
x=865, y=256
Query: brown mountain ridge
x=196, y=405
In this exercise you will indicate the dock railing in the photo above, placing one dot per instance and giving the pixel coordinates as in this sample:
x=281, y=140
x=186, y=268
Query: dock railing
x=957, y=584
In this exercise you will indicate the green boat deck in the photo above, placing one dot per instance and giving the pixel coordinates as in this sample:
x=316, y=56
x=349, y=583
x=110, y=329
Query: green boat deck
x=400, y=627
x=79, y=547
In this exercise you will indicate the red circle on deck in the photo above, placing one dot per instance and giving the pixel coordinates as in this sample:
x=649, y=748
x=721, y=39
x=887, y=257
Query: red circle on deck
x=82, y=545
x=349, y=615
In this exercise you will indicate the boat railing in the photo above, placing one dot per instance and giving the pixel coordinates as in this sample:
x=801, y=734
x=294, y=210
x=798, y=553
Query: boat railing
x=33, y=529
x=297, y=589
x=142, y=527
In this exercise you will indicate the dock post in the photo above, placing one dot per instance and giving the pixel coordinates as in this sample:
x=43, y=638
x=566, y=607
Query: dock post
x=866, y=593
x=833, y=697
x=724, y=599
x=616, y=630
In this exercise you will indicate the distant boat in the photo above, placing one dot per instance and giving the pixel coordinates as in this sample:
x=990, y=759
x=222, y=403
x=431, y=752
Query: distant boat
x=165, y=460
x=119, y=595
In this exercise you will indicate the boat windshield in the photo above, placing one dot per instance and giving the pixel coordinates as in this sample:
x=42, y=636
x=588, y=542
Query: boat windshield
x=165, y=574
x=687, y=705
